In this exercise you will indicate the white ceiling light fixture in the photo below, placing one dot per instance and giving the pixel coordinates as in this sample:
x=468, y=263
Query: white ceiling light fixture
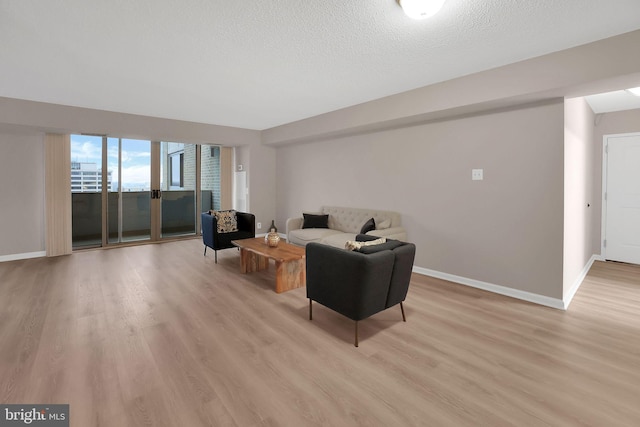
x=634, y=91
x=420, y=9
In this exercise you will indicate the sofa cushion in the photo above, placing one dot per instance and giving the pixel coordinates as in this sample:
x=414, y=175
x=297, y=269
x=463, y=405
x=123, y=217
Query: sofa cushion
x=315, y=221
x=303, y=236
x=383, y=224
x=226, y=221
x=368, y=226
x=338, y=240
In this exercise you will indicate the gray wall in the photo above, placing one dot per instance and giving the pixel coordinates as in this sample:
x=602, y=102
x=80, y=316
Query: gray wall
x=259, y=162
x=261, y=179
x=505, y=230
x=21, y=192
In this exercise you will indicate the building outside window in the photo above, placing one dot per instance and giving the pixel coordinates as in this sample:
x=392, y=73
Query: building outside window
x=86, y=177
x=176, y=165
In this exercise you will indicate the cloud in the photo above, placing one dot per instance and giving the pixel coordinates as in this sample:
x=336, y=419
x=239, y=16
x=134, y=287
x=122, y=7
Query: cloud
x=137, y=174
x=86, y=150
x=129, y=156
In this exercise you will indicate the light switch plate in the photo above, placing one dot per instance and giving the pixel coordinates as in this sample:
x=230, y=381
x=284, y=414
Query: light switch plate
x=477, y=174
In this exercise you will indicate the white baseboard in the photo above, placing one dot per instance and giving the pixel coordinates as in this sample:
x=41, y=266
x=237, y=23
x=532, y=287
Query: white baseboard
x=502, y=290
x=15, y=257
x=580, y=279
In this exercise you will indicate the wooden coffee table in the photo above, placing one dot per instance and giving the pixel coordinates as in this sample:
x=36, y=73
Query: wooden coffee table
x=290, y=261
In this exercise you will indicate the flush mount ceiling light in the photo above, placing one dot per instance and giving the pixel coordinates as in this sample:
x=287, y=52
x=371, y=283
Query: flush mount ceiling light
x=420, y=9
x=634, y=91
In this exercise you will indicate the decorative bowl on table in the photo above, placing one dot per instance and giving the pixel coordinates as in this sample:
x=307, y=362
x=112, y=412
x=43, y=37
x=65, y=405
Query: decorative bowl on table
x=272, y=239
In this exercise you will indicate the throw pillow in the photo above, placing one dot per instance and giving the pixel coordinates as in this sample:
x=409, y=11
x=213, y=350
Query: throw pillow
x=315, y=221
x=368, y=226
x=227, y=221
x=384, y=224
x=352, y=245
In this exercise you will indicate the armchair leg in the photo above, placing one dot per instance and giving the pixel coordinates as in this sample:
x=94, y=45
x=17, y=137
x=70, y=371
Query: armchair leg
x=216, y=252
x=205, y=250
x=356, y=342
x=310, y=310
x=404, y=319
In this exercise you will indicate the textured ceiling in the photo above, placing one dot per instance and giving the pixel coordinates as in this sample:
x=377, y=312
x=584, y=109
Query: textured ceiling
x=258, y=64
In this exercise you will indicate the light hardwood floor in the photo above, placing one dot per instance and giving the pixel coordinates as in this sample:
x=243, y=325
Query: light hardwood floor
x=159, y=335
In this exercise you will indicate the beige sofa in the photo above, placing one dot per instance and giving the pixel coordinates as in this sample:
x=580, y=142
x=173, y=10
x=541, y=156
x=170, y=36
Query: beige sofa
x=345, y=224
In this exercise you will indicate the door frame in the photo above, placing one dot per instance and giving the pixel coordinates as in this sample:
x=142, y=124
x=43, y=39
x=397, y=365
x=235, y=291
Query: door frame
x=155, y=220
x=605, y=166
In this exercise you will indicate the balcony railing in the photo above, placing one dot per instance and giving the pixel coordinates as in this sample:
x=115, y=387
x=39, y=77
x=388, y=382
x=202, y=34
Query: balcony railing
x=178, y=216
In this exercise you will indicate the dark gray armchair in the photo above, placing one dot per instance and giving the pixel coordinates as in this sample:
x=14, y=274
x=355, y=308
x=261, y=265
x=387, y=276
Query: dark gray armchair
x=359, y=284
x=216, y=241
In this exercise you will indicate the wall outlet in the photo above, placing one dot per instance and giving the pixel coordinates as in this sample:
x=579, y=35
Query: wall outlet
x=477, y=174
x=259, y=226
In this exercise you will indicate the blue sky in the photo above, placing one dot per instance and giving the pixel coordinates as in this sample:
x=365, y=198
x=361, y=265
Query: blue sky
x=136, y=158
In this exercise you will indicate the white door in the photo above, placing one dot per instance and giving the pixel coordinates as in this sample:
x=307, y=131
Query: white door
x=622, y=198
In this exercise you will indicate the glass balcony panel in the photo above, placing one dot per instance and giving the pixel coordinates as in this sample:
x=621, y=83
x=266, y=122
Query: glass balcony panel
x=86, y=219
x=178, y=209
x=136, y=214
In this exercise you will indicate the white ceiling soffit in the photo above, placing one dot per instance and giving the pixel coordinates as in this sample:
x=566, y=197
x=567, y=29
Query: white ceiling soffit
x=613, y=101
x=258, y=64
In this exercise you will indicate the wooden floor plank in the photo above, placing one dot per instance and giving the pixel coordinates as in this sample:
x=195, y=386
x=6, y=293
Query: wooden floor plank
x=161, y=335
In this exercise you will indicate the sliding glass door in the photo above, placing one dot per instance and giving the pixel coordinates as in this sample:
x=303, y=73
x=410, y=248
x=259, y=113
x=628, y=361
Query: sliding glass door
x=129, y=199
x=178, y=185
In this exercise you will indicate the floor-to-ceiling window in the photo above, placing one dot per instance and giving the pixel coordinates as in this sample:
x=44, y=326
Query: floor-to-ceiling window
x=148, y=192
x=129, y=206
x=86, y=190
